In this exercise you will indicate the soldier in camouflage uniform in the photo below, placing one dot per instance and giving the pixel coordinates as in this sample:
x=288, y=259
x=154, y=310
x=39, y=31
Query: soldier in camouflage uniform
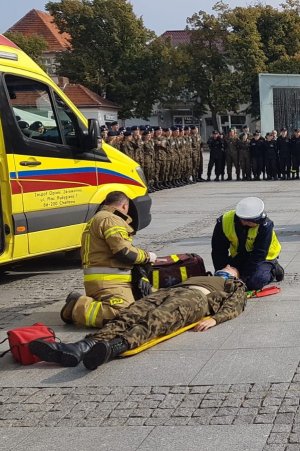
x=137, y=145
x=156, y=315
x=149, y=154
x=112, y=138
x=127, y=146
x=189, y=155
x=177, y=156
x=169, y=154
x=160, y=148
x=197, y=154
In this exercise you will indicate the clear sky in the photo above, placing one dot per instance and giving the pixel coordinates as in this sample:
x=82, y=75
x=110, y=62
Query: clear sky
x=158, y=15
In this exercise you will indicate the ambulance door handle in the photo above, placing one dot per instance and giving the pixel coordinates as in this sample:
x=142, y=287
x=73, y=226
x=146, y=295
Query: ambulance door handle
x=30, y=163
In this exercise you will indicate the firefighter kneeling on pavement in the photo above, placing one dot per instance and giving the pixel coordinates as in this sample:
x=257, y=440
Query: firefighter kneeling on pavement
x=108, y=257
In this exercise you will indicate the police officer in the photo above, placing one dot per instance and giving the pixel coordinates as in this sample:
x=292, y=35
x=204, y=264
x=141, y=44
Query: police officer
x=271, y=156
x=245, y=238
x=161, y=313
x=257, y=155
x=284, y=153
x=244, y=153
x=232, y=154
x=107, y=255
x=215, y=157
x=295, y=151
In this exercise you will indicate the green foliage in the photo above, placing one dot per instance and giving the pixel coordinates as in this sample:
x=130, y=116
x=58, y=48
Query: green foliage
x=262, y=39
x=213, y=81
x=33, y=45
x=112, y=52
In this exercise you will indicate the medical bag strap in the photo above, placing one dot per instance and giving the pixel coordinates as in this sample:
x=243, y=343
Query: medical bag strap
x=5, y=352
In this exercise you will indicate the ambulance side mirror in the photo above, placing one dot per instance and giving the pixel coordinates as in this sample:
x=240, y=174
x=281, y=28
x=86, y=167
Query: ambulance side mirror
x=94, y=135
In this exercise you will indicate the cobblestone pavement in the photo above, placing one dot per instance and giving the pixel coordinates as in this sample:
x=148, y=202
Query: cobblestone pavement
x=38, y=285
x=277, y=404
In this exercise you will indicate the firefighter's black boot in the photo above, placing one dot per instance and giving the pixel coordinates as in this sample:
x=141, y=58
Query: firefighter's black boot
x=66, y=311
x=103, y=351
x=65, y=354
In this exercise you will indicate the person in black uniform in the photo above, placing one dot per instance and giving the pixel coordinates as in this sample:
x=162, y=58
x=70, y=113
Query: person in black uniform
x=295, y=152
x=270, y=151
x=215, y=158
x=284, y=153
x=257, y=155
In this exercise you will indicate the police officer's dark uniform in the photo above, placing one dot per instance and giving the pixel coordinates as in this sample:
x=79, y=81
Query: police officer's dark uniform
x=252, y=250
x=215, y=157
x=257, y=155
x=295, y=151
x=284, y=153
x=271, y=156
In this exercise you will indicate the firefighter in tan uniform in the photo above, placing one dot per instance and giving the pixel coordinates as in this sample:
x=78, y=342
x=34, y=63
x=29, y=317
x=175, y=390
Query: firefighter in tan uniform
x=108, y=256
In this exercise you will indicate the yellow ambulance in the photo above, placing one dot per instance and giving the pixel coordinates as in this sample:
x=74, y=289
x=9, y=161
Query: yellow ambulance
x=53, y=173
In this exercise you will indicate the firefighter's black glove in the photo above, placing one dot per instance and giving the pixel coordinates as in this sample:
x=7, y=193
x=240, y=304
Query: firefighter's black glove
x=145, y=286
x=141, y=285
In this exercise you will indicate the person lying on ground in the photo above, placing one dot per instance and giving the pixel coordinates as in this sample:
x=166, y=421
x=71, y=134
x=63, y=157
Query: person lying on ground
x=221, y=297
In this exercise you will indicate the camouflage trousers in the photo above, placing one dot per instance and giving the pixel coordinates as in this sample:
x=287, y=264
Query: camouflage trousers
x=158, y=314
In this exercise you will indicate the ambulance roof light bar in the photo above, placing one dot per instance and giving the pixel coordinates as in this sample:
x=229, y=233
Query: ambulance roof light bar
x=8, y=55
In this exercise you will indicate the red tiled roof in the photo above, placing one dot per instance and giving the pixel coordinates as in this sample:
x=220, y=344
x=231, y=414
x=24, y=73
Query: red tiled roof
x=84, y=97
x=40, y=23
x=80, y=96
x=177, y=37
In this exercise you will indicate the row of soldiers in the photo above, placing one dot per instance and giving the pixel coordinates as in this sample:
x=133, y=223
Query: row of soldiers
x=254, y=156
x=170, y=157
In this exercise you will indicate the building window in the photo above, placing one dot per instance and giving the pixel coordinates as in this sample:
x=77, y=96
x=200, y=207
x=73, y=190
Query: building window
x=238, y=121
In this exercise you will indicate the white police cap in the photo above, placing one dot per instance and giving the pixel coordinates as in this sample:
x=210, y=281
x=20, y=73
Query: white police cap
x=250, y=208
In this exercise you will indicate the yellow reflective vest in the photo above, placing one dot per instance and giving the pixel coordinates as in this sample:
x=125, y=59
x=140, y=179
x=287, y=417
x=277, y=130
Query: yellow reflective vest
x=230, y=233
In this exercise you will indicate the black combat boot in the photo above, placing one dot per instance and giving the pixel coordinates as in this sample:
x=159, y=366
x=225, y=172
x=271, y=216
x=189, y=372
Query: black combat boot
x=66, y=311
x=278, y=271
x=65, y=354
x=229, y=178
x=103, y=351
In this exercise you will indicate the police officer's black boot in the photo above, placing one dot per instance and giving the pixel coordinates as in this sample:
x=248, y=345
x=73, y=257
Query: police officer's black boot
x=65, y=354
x=103, y=351
x=278, y=271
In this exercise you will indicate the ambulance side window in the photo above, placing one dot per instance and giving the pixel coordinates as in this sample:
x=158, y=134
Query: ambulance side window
x=69, y=122
x=31, y=103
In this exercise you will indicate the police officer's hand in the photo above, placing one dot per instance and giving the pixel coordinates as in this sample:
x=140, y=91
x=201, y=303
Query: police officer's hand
x=144, y=286
x=205, y=324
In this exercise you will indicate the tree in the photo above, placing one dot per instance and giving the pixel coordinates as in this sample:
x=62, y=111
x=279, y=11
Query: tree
x=33, y=45
x=214, y=83
x=111, y=52
x=262, y=39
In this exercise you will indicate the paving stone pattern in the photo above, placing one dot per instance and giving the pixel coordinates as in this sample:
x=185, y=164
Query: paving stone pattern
x=238, y=404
